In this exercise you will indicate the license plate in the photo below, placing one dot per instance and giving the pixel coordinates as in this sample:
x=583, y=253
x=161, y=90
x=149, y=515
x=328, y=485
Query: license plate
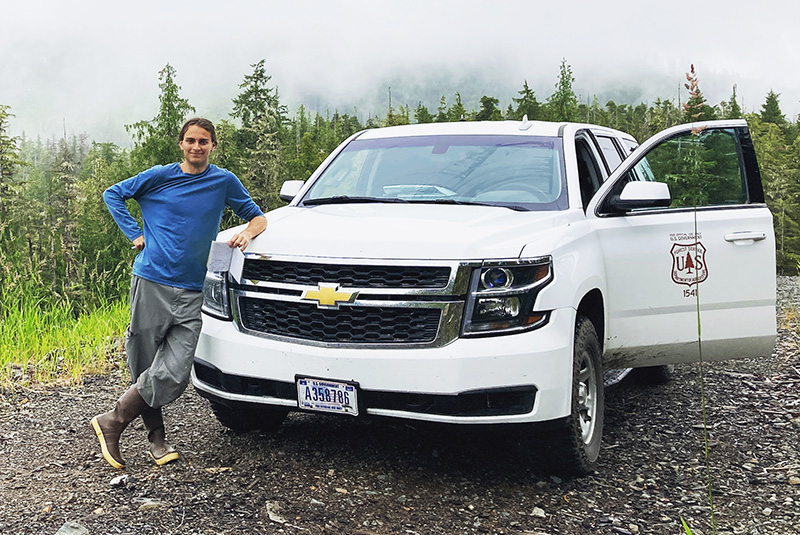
x=327, y=396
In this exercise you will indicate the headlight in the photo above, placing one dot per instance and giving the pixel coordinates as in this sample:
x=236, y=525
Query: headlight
x=215, y=295
x=503, y=295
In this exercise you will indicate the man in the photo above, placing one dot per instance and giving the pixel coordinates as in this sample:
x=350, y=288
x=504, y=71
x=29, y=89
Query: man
x=182, y=206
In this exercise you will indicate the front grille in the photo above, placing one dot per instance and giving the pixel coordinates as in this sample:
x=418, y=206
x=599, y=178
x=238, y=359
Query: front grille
x=353, y=325
x=353, y=276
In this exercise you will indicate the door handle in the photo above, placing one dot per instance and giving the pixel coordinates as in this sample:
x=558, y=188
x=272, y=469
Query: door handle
x=746, y=237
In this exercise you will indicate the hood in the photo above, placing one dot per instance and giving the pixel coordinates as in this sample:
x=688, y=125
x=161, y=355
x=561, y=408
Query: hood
x=403, y=231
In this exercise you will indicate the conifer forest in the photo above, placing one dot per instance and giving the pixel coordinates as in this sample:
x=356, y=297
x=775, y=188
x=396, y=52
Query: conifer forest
x=61, y=247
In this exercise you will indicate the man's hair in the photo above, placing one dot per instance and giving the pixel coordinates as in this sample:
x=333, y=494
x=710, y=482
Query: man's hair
x=205, y=124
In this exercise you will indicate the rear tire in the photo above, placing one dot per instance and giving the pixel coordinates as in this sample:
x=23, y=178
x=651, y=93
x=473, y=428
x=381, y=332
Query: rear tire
x=576, y=447
x=242, y=417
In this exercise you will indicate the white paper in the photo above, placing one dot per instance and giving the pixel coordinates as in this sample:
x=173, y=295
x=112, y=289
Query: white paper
x=223, y=257
x=219, y=257
x=237, y=264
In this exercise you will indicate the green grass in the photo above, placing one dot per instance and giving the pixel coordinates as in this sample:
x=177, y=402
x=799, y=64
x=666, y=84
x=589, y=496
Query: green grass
x=41, y=343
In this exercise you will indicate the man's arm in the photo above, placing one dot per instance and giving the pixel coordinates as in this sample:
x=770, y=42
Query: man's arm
x=114, y=198
x=256, y=226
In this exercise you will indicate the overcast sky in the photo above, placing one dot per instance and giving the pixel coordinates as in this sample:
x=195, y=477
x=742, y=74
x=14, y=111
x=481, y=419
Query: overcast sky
x=93, y=65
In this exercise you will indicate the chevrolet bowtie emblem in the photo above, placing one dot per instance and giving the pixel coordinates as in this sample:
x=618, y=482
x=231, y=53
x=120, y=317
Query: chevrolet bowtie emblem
x=328, y=295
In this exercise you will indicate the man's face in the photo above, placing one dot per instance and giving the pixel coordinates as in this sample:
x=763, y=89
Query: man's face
x=197, y=146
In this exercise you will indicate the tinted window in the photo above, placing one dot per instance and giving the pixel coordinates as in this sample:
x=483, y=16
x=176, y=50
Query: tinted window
x=610, y=152
x=701, y=168
x=630, y=146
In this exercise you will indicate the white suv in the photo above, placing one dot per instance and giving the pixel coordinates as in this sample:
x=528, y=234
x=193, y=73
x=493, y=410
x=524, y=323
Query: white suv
x=488, y=272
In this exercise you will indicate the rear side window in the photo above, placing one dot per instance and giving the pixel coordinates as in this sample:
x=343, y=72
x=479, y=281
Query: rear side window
x=630, y=146
x=610, y=152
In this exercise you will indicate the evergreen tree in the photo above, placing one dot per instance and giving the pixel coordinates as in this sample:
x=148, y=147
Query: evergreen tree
x=489, y=110
x=373, y=122
x=263, y=174
x=771, y=110
x=257, y=103
x=595, y=114
x=65, y=205
x=563, y=104
x=51, y=226
x=422, y=115
x=11, y=222
x=9, y=164
x=527, y=104
x=637, y=122
x=779, y=164
x=394, y=119
x=227, y=154
x=103, y=253
x=732, y=110
x=771, y=113
x=156, y=141
x=612, y=115
x=308, y=158
x=258, y=142
x=341, y=127
x=441, y=111
x=457, y=112
x=661, y=115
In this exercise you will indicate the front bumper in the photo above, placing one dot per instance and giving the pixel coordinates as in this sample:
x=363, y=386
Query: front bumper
x=525, y=377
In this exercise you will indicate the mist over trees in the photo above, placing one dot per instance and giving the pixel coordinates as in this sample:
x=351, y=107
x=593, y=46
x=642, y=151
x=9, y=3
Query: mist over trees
x=61, y=245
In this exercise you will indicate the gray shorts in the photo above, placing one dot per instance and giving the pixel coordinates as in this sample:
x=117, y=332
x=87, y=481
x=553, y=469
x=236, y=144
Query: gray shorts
x=161, y=339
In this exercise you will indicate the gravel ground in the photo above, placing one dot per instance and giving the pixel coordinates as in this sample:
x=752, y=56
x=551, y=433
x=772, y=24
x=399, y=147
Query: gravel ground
x=327, y=475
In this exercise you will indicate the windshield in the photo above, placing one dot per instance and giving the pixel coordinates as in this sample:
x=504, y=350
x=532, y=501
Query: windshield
x=518, y=172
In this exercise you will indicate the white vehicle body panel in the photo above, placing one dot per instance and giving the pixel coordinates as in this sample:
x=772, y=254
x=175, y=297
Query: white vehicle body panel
x=652, y=319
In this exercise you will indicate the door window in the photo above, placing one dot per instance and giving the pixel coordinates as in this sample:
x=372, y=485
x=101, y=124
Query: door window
x=701, y=167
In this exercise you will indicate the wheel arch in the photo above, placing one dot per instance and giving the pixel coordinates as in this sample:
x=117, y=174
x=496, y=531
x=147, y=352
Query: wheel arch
x=592, y=307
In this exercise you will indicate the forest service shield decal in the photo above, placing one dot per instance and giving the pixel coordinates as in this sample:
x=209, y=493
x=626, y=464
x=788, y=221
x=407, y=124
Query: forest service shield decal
x=689, y=263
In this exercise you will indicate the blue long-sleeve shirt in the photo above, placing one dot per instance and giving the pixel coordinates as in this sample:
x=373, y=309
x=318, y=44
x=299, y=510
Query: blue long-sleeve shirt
x=181, y=214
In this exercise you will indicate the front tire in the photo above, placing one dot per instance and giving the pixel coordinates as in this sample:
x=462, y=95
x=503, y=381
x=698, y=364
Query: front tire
x=576, y=447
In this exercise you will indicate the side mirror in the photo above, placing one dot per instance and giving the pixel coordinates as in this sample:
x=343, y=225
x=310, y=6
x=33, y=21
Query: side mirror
x=290, y=189
x=640, y=194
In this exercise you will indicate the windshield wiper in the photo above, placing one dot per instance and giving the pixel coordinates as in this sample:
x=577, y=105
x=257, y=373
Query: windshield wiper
x=346, y=199
x=514, y=207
